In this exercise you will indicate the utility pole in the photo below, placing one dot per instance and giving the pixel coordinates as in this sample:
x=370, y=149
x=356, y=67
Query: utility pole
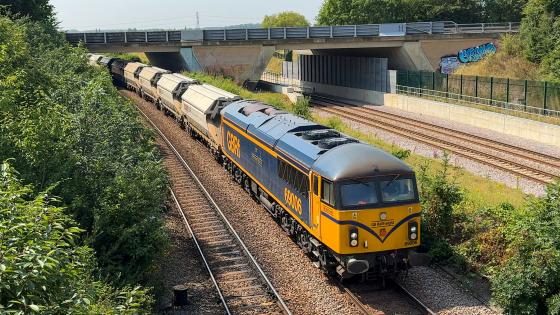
x=197, y=21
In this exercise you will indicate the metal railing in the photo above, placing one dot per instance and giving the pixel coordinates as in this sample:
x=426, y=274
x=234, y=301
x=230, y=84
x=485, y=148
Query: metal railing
x=124, y=37
x=281, y=33
x=488, y=90
x=364, y=30
x=489, y=104
x=277, y=78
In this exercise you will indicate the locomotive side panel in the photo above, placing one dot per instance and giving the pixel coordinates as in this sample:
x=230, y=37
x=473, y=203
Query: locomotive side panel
x=265, y=166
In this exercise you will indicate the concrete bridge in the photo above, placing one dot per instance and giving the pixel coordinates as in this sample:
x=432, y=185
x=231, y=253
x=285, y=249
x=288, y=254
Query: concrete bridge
x=244, y=53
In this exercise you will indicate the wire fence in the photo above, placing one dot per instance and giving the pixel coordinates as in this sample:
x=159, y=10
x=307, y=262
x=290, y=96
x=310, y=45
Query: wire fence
x=534, y=97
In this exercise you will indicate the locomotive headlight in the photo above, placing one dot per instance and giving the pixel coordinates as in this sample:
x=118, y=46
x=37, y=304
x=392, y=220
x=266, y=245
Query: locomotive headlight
x=412, y=230
x=353, y=234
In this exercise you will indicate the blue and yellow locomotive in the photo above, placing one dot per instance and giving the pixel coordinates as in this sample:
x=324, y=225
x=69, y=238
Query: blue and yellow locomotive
x=350, y=206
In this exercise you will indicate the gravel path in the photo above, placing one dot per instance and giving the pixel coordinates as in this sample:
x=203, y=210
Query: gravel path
x=527, y=186
x=441, y=295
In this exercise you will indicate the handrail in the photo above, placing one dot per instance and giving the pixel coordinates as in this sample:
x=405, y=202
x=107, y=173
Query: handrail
x=284, y=33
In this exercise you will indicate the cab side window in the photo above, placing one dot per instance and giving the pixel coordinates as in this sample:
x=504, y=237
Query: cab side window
x=327, y=192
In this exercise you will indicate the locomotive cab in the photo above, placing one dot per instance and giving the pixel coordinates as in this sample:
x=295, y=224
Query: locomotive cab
x=368, y=206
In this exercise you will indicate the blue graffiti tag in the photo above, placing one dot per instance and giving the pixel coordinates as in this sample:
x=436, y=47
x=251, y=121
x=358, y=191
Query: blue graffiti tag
x=475, y=54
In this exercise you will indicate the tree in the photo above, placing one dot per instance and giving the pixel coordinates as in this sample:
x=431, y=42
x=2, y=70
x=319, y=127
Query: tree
x=539, y=28
x=42, y=269
x=36, y=10
x=503, y=10
x=65, y=126
x=284, y=19
x=344, y=12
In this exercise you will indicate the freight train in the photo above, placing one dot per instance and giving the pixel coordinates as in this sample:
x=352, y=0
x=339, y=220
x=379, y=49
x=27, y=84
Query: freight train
x=351, y=207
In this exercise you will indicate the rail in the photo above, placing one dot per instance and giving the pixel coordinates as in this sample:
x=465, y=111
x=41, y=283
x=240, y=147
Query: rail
x=283, y=33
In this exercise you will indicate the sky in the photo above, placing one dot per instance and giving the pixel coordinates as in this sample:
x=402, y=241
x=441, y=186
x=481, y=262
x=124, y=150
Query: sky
x=168, y=14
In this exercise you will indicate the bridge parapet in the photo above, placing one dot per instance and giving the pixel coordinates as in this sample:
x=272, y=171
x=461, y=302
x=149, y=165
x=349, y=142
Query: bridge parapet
x=285, y=33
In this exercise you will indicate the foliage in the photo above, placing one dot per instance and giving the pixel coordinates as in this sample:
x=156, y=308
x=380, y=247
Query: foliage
x=137, y=57
x=340, y=12
x=42, y=269
x=301, y=108
x=36, y=10
x=401, y=154
x=284, y=19
x=540, y=28
x=529, y=282
x=439, y=195
x=66, y=127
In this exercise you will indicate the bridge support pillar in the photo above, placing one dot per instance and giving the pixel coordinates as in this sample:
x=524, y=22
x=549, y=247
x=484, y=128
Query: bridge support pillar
x=243, y=63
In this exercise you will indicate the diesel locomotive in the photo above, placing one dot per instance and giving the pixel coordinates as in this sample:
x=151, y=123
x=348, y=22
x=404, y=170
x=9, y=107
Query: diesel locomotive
x=351, y=207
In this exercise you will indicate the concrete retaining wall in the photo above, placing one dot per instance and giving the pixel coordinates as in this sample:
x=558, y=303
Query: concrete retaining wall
x=511, y=125
x=368, y=96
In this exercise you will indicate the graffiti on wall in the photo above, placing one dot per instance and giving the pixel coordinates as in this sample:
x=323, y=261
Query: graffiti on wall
x=473, y=54
x=449, y=63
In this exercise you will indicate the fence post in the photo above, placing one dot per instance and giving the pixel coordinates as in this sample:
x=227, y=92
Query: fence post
x=491, y=90
x=285, y=34
x=461, y=88
x=447, y=86
x=355, y=31
x=545, y=98
x=434, y=80
x=476, y=86
x=225, y=34
x=526, y=85
x=507, y=91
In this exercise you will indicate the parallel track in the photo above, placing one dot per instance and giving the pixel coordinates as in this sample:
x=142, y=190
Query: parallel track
x=240, y=282
x=422, y=134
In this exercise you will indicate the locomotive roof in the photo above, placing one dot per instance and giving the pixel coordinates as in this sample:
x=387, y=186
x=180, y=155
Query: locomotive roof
x=335, y=155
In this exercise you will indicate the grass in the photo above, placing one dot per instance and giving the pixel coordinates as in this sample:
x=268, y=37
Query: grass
x=132, y=56
x=480, y=191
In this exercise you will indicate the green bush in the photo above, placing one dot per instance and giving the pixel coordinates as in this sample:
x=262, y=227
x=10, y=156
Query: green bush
x=42, y=267
x=66, y=127
x=401, y=154
x=529, y=282
x=301, y=108
x=439, y=195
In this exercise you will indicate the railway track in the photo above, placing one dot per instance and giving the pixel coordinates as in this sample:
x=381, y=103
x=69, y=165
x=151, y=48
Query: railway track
x=396, y=293
x=431, y=135
x=240, y=282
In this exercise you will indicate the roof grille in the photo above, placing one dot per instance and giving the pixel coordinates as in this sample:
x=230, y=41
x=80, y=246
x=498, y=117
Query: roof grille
x=330, y=143
x=320, y=134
